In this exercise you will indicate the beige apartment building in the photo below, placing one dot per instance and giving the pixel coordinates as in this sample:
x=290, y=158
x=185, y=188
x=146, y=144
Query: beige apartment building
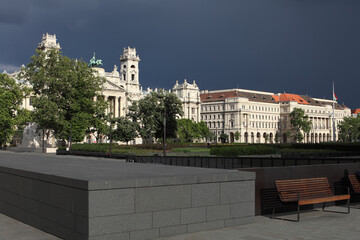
x=263, y=117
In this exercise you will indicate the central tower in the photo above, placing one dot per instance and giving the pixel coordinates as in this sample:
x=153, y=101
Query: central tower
x=130, y=66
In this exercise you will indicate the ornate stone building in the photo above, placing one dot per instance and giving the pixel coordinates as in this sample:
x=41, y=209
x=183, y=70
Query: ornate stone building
x=189, y=95
x=260, y=117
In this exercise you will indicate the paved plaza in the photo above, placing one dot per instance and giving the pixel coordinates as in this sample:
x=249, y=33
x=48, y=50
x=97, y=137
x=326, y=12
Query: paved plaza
x=313, y=225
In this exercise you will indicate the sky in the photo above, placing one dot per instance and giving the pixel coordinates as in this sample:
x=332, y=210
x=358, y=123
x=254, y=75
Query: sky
x=293, y=46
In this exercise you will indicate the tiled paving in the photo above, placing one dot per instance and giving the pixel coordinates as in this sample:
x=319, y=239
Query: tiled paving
x=11, y=229
x=315, y=225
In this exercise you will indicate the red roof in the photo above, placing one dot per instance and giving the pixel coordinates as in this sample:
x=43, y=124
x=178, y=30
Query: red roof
x=217, y=96
x=286, y=97
x=276, y=98
x=355, y=111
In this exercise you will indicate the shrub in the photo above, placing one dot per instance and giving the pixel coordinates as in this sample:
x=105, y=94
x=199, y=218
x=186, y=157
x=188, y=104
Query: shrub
x=233, y=151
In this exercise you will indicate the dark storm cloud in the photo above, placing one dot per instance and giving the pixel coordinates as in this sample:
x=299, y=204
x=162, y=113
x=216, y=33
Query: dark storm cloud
x=270, y=45
x=14, y=11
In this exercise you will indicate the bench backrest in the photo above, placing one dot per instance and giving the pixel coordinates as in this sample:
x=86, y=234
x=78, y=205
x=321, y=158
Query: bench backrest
x=354, y=183
x=307, y=188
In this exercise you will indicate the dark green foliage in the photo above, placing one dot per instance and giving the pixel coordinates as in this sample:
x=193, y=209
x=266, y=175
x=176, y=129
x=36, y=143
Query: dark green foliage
x=349, y=129
x=125, y=130
x=300, y=122
x=64, y=90
x=11, y=116
x=238, y=150
x=188, y=130
x=150, y=111
x=224, y=138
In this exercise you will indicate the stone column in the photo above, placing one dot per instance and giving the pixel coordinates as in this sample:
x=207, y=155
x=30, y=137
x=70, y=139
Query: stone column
x=106, y=98
x=116, y=107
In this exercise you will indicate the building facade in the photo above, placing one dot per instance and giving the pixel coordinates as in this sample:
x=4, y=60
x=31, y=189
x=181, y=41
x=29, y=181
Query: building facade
x=189, y=95
x=248, y=116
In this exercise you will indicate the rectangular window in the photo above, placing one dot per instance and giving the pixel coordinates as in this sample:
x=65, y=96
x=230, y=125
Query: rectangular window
x=132, y=77
x=192, y=110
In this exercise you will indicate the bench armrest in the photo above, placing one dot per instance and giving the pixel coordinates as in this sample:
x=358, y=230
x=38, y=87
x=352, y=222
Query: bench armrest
x=297, y=194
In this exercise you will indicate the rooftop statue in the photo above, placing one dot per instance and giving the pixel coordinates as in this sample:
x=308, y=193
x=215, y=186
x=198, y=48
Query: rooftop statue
x=95, y=63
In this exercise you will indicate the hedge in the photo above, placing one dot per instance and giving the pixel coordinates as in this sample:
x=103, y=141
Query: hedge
x=233, y=151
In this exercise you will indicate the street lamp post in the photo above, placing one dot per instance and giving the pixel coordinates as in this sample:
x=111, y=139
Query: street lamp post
x=165, y=134
x=110, y=138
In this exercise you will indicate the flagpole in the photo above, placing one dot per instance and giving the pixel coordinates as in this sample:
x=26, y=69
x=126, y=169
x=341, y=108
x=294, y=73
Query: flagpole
x=334, y=137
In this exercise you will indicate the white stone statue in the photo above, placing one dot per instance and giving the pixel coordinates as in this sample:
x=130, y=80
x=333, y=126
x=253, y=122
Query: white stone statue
x=33, y=139
x=30, y=139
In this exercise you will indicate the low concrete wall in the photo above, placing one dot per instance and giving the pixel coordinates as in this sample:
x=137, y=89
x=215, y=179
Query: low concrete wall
x=265, y=177
x=106, y=199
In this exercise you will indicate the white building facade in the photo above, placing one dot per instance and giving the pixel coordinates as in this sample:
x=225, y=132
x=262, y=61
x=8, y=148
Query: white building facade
x=248, y=116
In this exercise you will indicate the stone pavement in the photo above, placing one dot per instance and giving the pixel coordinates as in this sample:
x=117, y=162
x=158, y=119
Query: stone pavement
x=11, y=229
x=314, y=224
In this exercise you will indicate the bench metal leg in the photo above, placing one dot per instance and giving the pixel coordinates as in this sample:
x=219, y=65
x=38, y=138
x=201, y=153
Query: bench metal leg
x=298, y=213
x=273, y=213
x=323, y=207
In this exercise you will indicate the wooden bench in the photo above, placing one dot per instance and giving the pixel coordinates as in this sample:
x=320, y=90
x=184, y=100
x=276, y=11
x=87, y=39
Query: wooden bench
x=354, y=183
x=308, y=191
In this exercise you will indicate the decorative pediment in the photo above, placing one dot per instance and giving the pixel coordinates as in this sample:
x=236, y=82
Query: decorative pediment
x=112, y=86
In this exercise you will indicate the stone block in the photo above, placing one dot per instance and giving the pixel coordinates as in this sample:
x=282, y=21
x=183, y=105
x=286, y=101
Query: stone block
x=143, y=182
x=145, y=234
x=62, y=197
x=119, y=223
x=234, y=192
x=244, y=209
x=166, y=218
x=205, y=178
x=197, y=227
x=220, y=177
x=185, y=180
x=218, y=212
x=240, y=176
x=205, y=194
x=162, y=198
x=193, y=215
x=174, y=230
x=163, y=181
x=82, y=224
x=66, y=219
x=111, y=202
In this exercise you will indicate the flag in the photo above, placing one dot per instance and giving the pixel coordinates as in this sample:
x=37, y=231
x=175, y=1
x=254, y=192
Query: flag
x=335, y=98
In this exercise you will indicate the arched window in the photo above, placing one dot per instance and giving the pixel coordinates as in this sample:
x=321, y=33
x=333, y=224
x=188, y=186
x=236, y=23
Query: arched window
x=132, y=66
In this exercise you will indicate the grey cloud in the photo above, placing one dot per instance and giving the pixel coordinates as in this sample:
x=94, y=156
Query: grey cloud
x=8, y=68
x=14, y=12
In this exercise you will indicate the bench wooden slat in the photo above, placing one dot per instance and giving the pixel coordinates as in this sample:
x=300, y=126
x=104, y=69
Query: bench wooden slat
x=308, y=191
x=323, y=199
x=354, y=183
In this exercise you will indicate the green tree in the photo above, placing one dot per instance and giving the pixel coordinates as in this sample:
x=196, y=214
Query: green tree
x=64, y=90
x=125, y=130
x=204, y=131
x=149, y=112
x=224, y=138
x=99, y=123
x=300, y=122
x=11, y=115
x=186, y=130
x=237, y=135
x=349, y=129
